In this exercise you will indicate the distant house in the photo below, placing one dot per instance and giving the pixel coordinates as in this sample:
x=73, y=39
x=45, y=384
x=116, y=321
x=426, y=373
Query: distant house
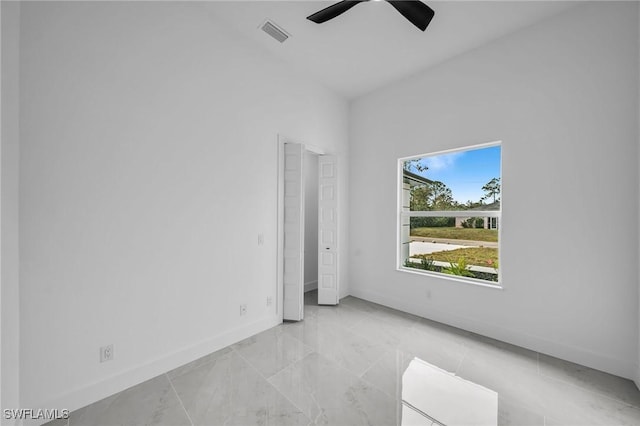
x=414, y=180
x=489, y=222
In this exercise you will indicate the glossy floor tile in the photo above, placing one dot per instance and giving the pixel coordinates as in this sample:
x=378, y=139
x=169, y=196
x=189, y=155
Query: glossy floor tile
x=150, y=403
x=344, y=347
x=330, y=394
x=230, y=391
x=351, y=365
x=271, y=351
x=607, y=384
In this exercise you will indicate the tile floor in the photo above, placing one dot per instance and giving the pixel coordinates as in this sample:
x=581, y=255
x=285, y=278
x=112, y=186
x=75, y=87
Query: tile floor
x=343, y=366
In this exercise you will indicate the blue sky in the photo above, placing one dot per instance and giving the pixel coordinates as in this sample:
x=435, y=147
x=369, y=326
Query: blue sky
x=464, y=172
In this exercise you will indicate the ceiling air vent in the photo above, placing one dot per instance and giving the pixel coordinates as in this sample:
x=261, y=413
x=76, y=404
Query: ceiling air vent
x=274, y=31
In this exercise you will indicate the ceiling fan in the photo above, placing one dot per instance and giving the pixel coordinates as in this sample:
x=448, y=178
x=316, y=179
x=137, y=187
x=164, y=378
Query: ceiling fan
x=418, y=13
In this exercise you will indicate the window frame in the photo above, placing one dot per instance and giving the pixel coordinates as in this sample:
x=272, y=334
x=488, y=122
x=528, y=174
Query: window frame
x=404, y=217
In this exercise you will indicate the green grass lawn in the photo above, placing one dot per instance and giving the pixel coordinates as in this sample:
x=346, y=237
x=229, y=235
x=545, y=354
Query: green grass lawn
x=474, y=234
x=478, y=256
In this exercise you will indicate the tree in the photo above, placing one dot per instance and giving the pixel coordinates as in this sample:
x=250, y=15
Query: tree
x=435, y=196
x=472, y=204
x=415, y=164
x=419, y=197
x=492, y=190
x=441, y=197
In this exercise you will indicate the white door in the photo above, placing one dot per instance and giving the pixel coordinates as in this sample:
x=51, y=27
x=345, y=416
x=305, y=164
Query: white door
x=293, y=244
x=327, y=231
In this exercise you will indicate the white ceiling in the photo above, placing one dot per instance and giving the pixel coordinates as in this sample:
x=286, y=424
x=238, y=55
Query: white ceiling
x=372, y=45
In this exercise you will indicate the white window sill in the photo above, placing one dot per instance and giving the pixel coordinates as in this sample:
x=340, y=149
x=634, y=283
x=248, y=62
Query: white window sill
x=464, y=280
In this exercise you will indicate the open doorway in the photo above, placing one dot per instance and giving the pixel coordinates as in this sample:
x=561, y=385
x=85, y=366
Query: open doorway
x=310, y=267
x=307, y=236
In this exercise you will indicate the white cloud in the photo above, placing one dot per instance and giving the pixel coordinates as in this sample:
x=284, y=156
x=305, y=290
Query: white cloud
x=442, y=162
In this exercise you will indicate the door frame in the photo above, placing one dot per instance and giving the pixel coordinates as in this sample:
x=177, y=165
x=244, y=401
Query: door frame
x=281, y=140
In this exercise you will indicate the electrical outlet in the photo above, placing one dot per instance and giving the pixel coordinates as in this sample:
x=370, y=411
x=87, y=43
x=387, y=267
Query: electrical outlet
x=106, y=353
x=243, y=310
x=268, y=301
x=428, y=294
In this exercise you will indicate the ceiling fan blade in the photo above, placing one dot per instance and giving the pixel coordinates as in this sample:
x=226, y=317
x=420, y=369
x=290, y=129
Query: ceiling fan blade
x=415, y=11
x=332, y=11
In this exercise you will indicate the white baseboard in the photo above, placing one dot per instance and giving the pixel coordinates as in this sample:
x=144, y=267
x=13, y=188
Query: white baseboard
x=90, y=393
x=557, y=349
x=311, y=285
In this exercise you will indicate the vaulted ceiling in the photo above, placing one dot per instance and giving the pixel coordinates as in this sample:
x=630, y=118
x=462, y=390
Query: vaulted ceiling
x=372, y=45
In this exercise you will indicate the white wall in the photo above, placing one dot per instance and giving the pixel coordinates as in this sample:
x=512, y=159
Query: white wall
x=311, y=221
x=148, y=167
x=9, y=152
x=563, y=97
x=637, y=377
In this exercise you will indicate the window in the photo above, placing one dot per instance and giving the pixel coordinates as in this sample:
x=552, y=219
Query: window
x=449, y=213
